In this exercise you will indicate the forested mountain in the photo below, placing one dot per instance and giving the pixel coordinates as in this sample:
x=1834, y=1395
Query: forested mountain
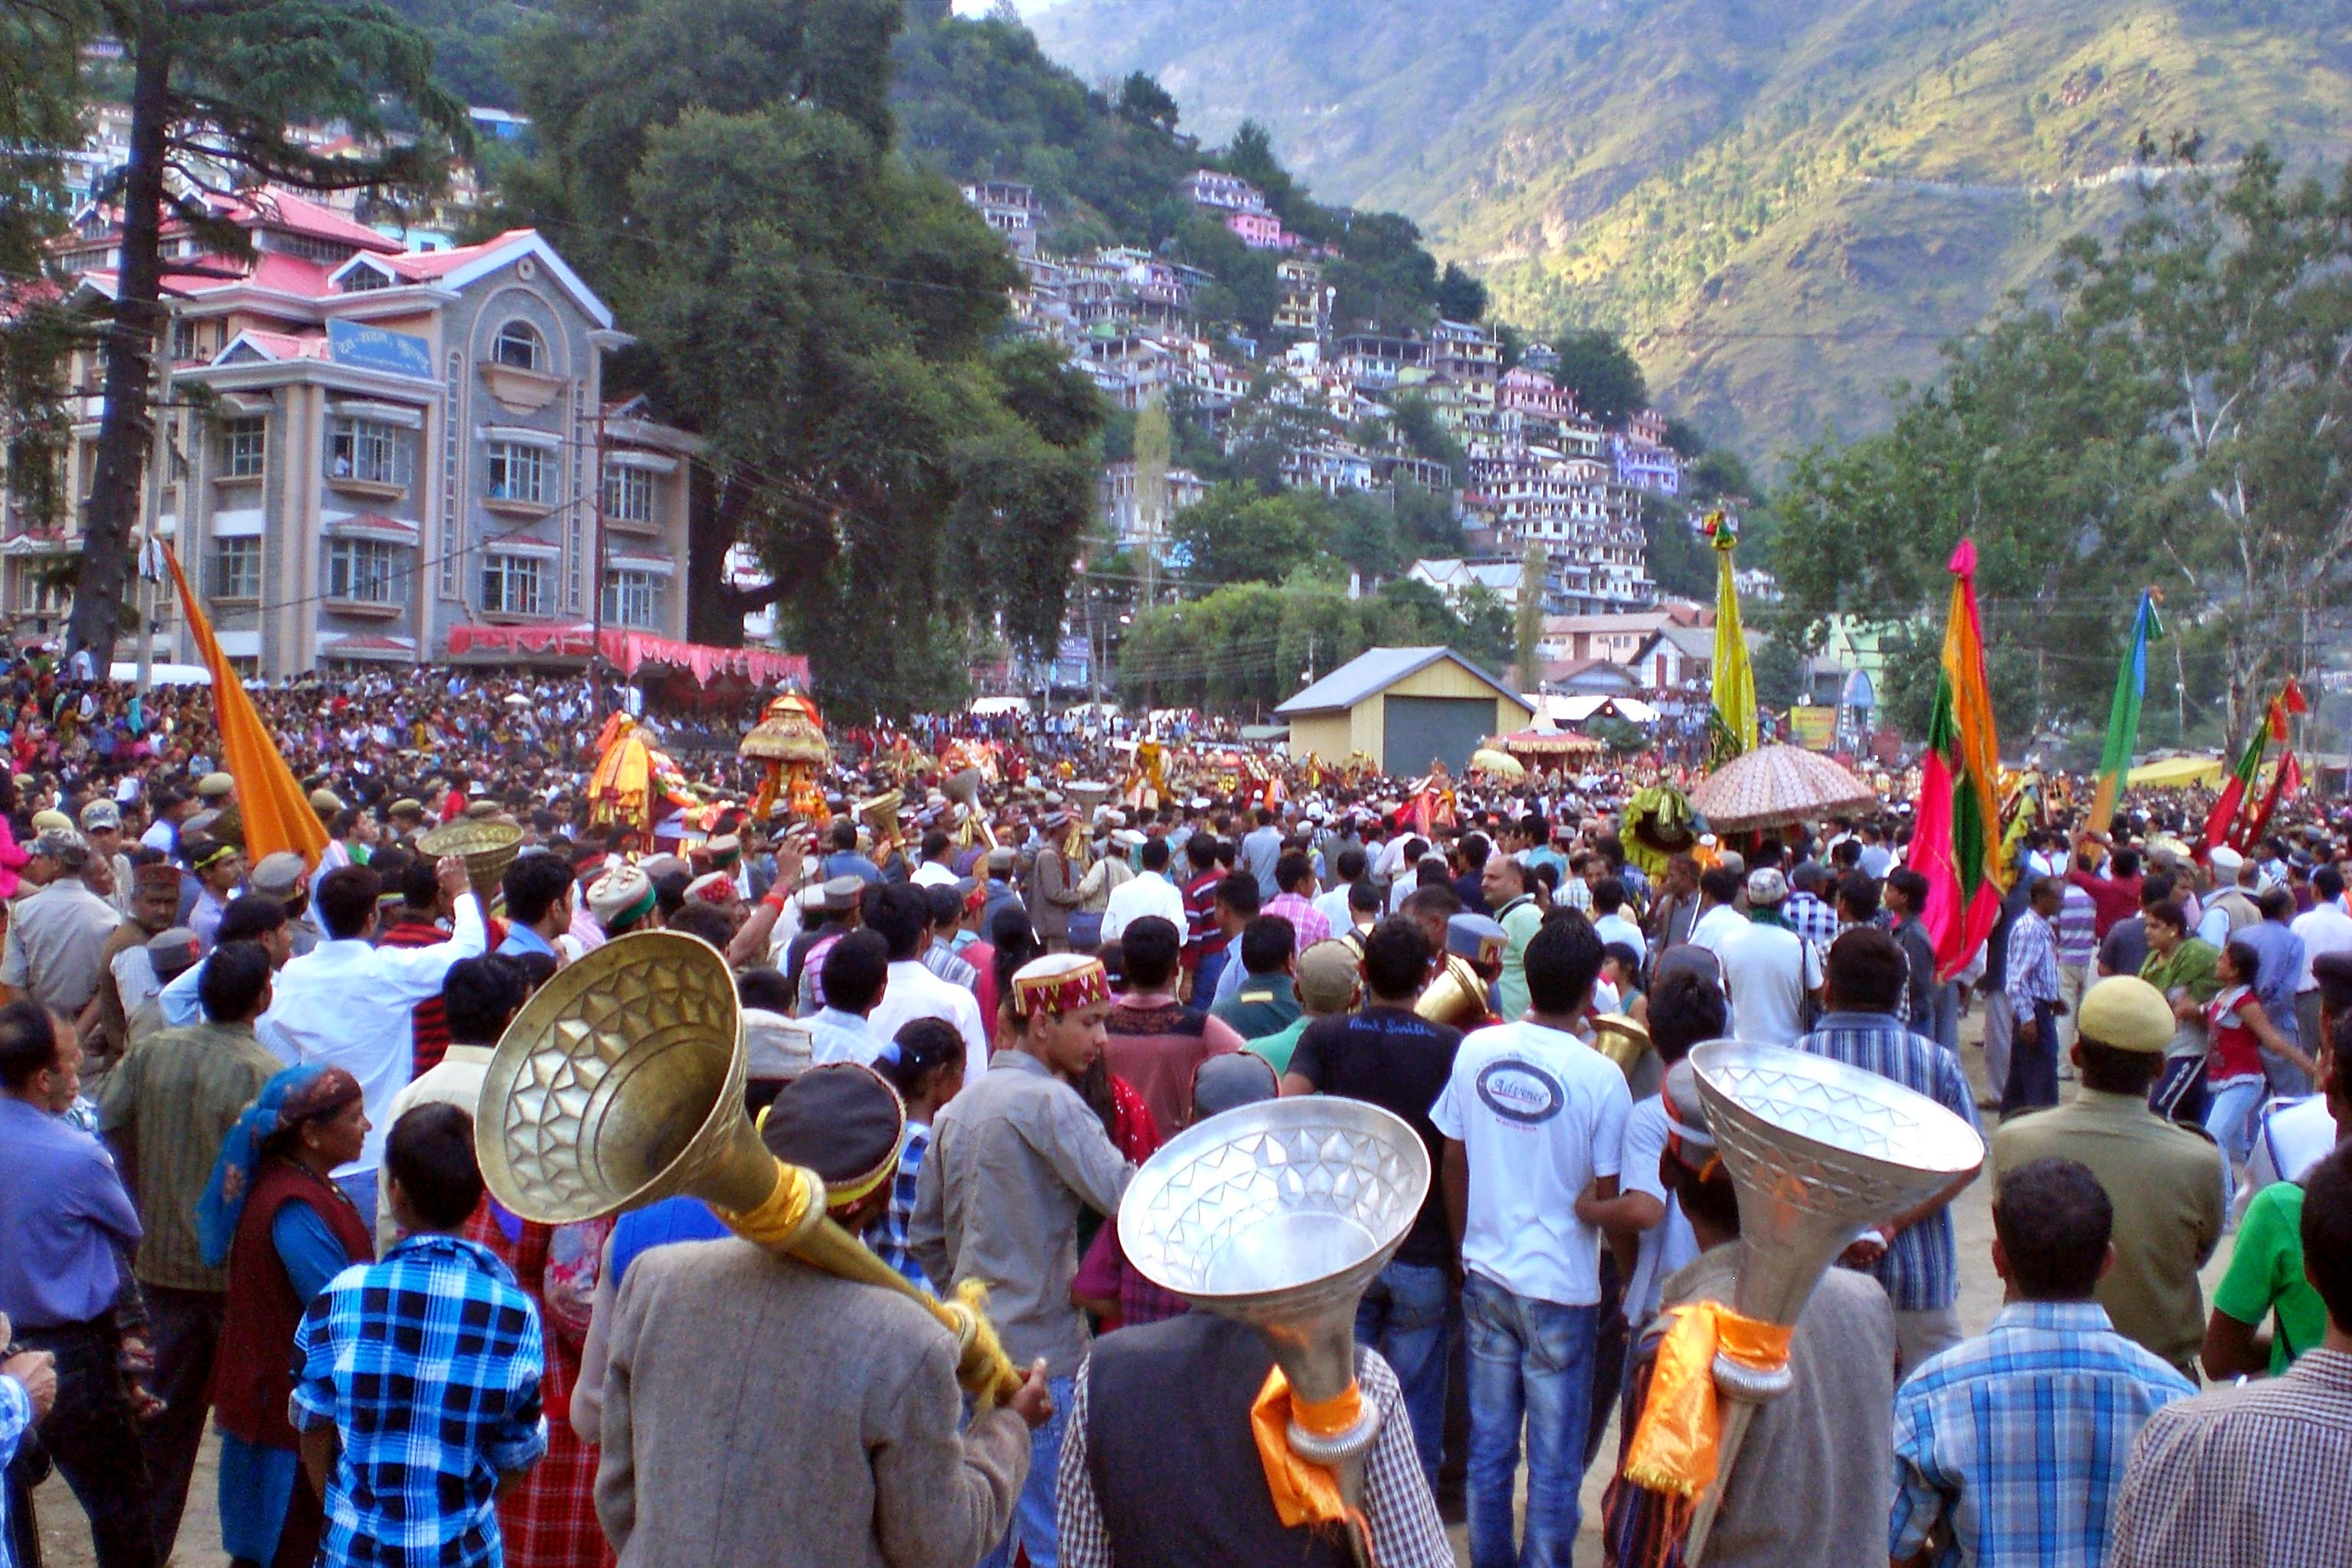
x=1786, y=203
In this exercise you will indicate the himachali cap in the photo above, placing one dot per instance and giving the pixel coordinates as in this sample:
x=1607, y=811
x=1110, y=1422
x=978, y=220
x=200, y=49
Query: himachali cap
x=2125, y=1013
x=621, y=896
x=214, y=786
x=1476, y=938
x=723, y=850
x=156, y=874
x=842, y=893
x=2226, y=861
x=1766, y=886
x=174, y=952
x=842, y=1121
x=1059, y=982
x=100, y=814
x=711, y=888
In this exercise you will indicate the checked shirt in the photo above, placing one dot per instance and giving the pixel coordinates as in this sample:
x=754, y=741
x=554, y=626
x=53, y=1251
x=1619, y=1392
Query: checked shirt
x=427, y=1364
x=2017, y=1441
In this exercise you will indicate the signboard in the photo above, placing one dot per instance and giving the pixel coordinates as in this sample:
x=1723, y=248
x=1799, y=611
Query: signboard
x=1814, y=726
x=363, y=347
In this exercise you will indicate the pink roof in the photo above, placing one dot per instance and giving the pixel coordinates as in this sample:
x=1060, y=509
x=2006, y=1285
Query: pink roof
x=275, y=207
x=287, y=346
x=423, y=264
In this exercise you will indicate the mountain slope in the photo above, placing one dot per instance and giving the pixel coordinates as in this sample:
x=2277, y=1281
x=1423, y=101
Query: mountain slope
x=1785, y=204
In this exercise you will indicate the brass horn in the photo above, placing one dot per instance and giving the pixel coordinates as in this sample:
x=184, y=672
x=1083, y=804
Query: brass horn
x=1457, y=996
x=1622, y=1040
x=880, y=815
x=487, y=847
x=621, y=1082
x=963, y=789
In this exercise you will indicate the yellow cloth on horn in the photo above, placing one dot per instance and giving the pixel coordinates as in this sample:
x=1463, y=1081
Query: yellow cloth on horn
x=1673, y=1448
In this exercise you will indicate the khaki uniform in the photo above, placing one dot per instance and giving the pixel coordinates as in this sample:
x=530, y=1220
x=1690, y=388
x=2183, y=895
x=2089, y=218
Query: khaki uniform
x=2165, y=1182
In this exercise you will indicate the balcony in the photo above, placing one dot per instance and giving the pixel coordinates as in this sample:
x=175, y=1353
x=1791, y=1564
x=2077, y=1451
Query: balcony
x=520, y=390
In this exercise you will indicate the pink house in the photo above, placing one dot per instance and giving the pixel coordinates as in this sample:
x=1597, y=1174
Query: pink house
x=1260, y=230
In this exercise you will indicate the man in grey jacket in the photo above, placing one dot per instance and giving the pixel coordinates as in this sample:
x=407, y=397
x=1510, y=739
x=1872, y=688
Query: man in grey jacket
x=744, y=1388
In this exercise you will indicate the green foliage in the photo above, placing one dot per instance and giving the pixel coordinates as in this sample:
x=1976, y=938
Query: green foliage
x=1233, y=534
x=1527, y=627
x=1425, y=521
x=1680, y=561
x=828, y=317
x=469, y=39
x=1594, y=364
x=1460, y=296
x=1143, y=100
x=1780, y=673
x=1487, y=631
x=1424, y=435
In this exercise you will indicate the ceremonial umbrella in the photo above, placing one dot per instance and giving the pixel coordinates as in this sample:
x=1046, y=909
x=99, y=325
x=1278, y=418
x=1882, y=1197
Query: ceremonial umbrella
x=1773, y=786
x=1550, y=743
x=1486, y=760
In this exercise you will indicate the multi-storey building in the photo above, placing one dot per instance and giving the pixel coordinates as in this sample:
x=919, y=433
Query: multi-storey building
x=1376, y=359
x=1012, y=210
x=1305, y=307
x=1644, y=460
x=1589, y=524
x=391, y=445
x=1220, y=192
x=1140, y=522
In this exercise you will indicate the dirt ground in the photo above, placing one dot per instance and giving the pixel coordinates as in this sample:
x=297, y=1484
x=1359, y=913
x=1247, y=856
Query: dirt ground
x=65, y=1534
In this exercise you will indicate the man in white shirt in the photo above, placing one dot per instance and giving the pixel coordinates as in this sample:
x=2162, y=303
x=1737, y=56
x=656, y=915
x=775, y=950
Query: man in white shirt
x=479, y=997
x=936, y=870
x=856, y=977
x=1769, y=969
x=349, y=1003
x=901, y=916
x=2324, y=928
x=1149, y=892
x=1533, y=1119
x=1719, y=920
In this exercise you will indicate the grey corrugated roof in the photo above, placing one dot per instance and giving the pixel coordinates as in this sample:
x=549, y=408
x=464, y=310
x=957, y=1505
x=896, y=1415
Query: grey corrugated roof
x=1376, y=669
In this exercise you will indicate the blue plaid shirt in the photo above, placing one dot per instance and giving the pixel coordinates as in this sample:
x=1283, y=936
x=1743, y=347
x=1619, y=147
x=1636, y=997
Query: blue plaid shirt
x=1921, y=1269
x=889, y=1237
x=427, y=1364
x=2017, y=1441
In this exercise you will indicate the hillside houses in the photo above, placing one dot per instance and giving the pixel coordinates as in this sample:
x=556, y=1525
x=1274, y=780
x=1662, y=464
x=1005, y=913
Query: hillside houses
x=1537, y=468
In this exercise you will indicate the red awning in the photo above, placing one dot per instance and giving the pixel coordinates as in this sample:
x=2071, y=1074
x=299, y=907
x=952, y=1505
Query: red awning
x=629, y=651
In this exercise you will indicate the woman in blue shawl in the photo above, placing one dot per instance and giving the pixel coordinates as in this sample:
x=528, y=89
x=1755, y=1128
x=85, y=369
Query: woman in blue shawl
x=273, y=1212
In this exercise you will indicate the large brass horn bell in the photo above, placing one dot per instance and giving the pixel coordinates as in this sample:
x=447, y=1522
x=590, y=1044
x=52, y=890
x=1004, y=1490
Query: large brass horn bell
x=963, y=789
x=621, y=1082
x=487, y=847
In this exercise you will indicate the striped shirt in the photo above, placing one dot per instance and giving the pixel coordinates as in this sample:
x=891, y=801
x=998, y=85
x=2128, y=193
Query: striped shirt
x=2032, y=972
x=2078, y=927
x=1812, y=919
x=1308, y=924
x=2016, y=1442
x=941, y=960
x=1921, y=1268
x=2254, y=1477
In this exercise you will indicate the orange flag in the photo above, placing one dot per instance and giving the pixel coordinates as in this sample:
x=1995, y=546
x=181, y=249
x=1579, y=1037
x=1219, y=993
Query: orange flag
x=276, y=812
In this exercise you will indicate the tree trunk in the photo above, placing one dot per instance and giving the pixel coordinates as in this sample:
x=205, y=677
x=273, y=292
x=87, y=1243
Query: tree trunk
x=126, y=429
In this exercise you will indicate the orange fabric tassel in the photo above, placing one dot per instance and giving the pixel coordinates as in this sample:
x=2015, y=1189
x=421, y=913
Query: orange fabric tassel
x=1304, y=1493
x=1673, y=1448
x=276, y=812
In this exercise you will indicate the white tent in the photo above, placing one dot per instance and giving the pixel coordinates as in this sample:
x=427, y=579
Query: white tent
x=1568, y=712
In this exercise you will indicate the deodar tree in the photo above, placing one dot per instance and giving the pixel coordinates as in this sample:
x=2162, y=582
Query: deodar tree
x=829, y=319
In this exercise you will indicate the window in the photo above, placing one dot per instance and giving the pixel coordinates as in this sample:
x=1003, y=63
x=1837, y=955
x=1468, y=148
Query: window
x=632, y=599
x=363, y=449
x=236, y=568
x=367, y=570
x=520, y=346
x=242, y=445
x=360, y=279
x=518, y=472
x=628, y=495
x=514, y=585
x=188, y=340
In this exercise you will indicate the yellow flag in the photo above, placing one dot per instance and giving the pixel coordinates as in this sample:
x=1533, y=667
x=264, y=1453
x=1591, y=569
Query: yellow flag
x=277, y=814
x=1735, y=679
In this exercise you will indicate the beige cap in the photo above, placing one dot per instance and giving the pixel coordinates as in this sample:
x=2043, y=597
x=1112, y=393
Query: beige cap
x=213, y=787
x=1327, y=978
x=2125, y=1013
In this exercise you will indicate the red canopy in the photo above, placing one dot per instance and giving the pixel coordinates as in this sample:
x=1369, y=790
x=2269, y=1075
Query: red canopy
x=628, y=652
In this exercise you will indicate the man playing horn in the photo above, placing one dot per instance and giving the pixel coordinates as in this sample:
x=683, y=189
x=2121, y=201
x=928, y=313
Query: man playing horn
x=1812, y=1483
x=1013, y=1159
x=845, y=1420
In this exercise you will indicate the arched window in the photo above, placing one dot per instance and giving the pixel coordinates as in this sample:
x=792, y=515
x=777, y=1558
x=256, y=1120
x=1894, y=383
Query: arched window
x=519, y=344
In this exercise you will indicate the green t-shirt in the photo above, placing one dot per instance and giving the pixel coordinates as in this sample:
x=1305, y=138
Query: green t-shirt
x=1276, y=1047
x=2266, y=1274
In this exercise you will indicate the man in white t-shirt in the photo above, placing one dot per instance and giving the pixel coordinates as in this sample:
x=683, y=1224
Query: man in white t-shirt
x=902, y=914
x=1533, y=1118
x=1767, y=968
x=1149, y=892
x=1719, y=921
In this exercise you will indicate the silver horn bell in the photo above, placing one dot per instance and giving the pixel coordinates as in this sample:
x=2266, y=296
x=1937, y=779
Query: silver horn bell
x=1278, y=1214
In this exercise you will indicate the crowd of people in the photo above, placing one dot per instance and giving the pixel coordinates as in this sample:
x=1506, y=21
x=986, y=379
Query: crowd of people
x=239, y=1189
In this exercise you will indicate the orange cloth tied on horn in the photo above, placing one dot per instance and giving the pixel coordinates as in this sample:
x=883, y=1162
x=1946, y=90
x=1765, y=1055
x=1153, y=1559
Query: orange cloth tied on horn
x=1674, y=1445
x=1305, y=1493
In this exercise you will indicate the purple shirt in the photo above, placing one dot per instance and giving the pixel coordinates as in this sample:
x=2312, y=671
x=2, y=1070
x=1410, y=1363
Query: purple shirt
x=1308, y=924
x=63, y=1212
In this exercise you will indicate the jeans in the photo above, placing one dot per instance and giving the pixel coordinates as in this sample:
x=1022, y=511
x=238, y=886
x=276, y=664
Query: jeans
x=1032, y=1510
x=1529, y=1361
x=1403, y=1317
x=2033, y=1068
x=187, y=1326
x=1609, y=1344
x=93, y=1437
x=2229, y=1112
x=1945, y=1030
x=1999, y=1030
